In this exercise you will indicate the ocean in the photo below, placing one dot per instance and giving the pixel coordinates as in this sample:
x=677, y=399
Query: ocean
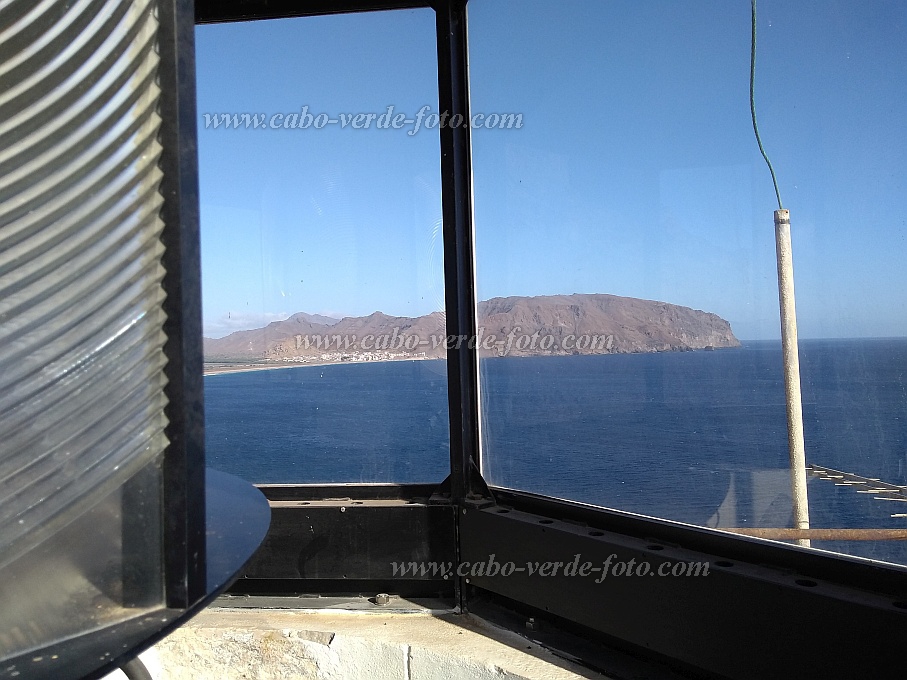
x=697, y=437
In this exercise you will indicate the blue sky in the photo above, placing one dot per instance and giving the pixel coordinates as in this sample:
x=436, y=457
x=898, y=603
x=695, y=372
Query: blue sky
x=635, y=172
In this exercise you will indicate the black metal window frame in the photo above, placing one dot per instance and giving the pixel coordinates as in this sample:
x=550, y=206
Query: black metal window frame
x=184, y=463
x=766, y=610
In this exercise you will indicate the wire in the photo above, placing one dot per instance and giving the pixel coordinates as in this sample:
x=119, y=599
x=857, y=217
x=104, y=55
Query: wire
x=753, y=107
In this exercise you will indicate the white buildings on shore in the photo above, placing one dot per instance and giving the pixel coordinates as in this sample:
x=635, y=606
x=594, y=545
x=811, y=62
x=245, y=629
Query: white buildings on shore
x=338, y=357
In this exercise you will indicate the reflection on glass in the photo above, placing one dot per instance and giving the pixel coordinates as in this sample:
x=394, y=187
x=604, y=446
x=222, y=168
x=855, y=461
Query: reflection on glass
x=103, y=567
x=633, y=197
x=321, y=249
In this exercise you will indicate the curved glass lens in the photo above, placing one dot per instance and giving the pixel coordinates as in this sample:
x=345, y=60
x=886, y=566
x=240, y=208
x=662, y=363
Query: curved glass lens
x=81, y=340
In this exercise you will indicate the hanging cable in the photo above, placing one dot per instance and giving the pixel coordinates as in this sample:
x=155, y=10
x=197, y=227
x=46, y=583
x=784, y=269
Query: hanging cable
x=789, y=345
x=753, y=106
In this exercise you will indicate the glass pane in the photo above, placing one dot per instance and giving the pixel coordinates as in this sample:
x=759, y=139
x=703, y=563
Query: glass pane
x=625, y=254
x=321, y=249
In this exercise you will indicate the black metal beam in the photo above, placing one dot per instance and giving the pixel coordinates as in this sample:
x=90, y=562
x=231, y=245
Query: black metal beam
x=142, y=546
x=219, y=11
x=184, y=462
x=459, y=275
x=343, y=546
x=357, y=492
x=844, y=570
x=733, y=619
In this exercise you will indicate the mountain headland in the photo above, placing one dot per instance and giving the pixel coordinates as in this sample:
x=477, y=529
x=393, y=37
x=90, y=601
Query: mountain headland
x=549, y=325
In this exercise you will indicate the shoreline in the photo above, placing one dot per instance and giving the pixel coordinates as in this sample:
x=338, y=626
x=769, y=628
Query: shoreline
x=213, y=368
x=249, y=368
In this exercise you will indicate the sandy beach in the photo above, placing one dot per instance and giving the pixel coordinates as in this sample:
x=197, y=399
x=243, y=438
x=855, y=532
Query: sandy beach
x=221, y=369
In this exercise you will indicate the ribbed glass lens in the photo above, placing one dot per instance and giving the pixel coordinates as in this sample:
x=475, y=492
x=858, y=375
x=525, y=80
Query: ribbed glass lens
x=81, y=340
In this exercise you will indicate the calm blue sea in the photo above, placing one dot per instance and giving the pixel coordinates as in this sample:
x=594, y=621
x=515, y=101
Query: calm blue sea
x=698, y=437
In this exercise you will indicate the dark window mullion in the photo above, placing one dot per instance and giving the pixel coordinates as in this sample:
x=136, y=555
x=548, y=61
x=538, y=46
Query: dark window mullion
x=184, y=463
x=459, y=271
x=218, y=11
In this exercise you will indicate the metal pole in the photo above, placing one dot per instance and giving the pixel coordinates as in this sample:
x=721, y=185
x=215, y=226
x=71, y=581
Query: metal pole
x=821, y=534
x=791, y=371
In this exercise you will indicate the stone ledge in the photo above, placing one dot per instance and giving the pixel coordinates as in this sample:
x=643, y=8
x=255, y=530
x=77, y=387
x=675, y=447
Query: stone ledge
x=266, y=644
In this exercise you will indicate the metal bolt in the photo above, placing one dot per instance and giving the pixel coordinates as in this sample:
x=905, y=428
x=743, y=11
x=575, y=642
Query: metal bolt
x=530, y=624
x=342, y=509
x=382, y=598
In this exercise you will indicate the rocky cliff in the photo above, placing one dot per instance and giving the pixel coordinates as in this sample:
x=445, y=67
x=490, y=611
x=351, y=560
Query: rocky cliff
x=512, y=326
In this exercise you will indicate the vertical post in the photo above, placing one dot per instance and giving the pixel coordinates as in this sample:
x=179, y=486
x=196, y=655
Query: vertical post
x=184, y=463
x=791, y=371
x=459, y=270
